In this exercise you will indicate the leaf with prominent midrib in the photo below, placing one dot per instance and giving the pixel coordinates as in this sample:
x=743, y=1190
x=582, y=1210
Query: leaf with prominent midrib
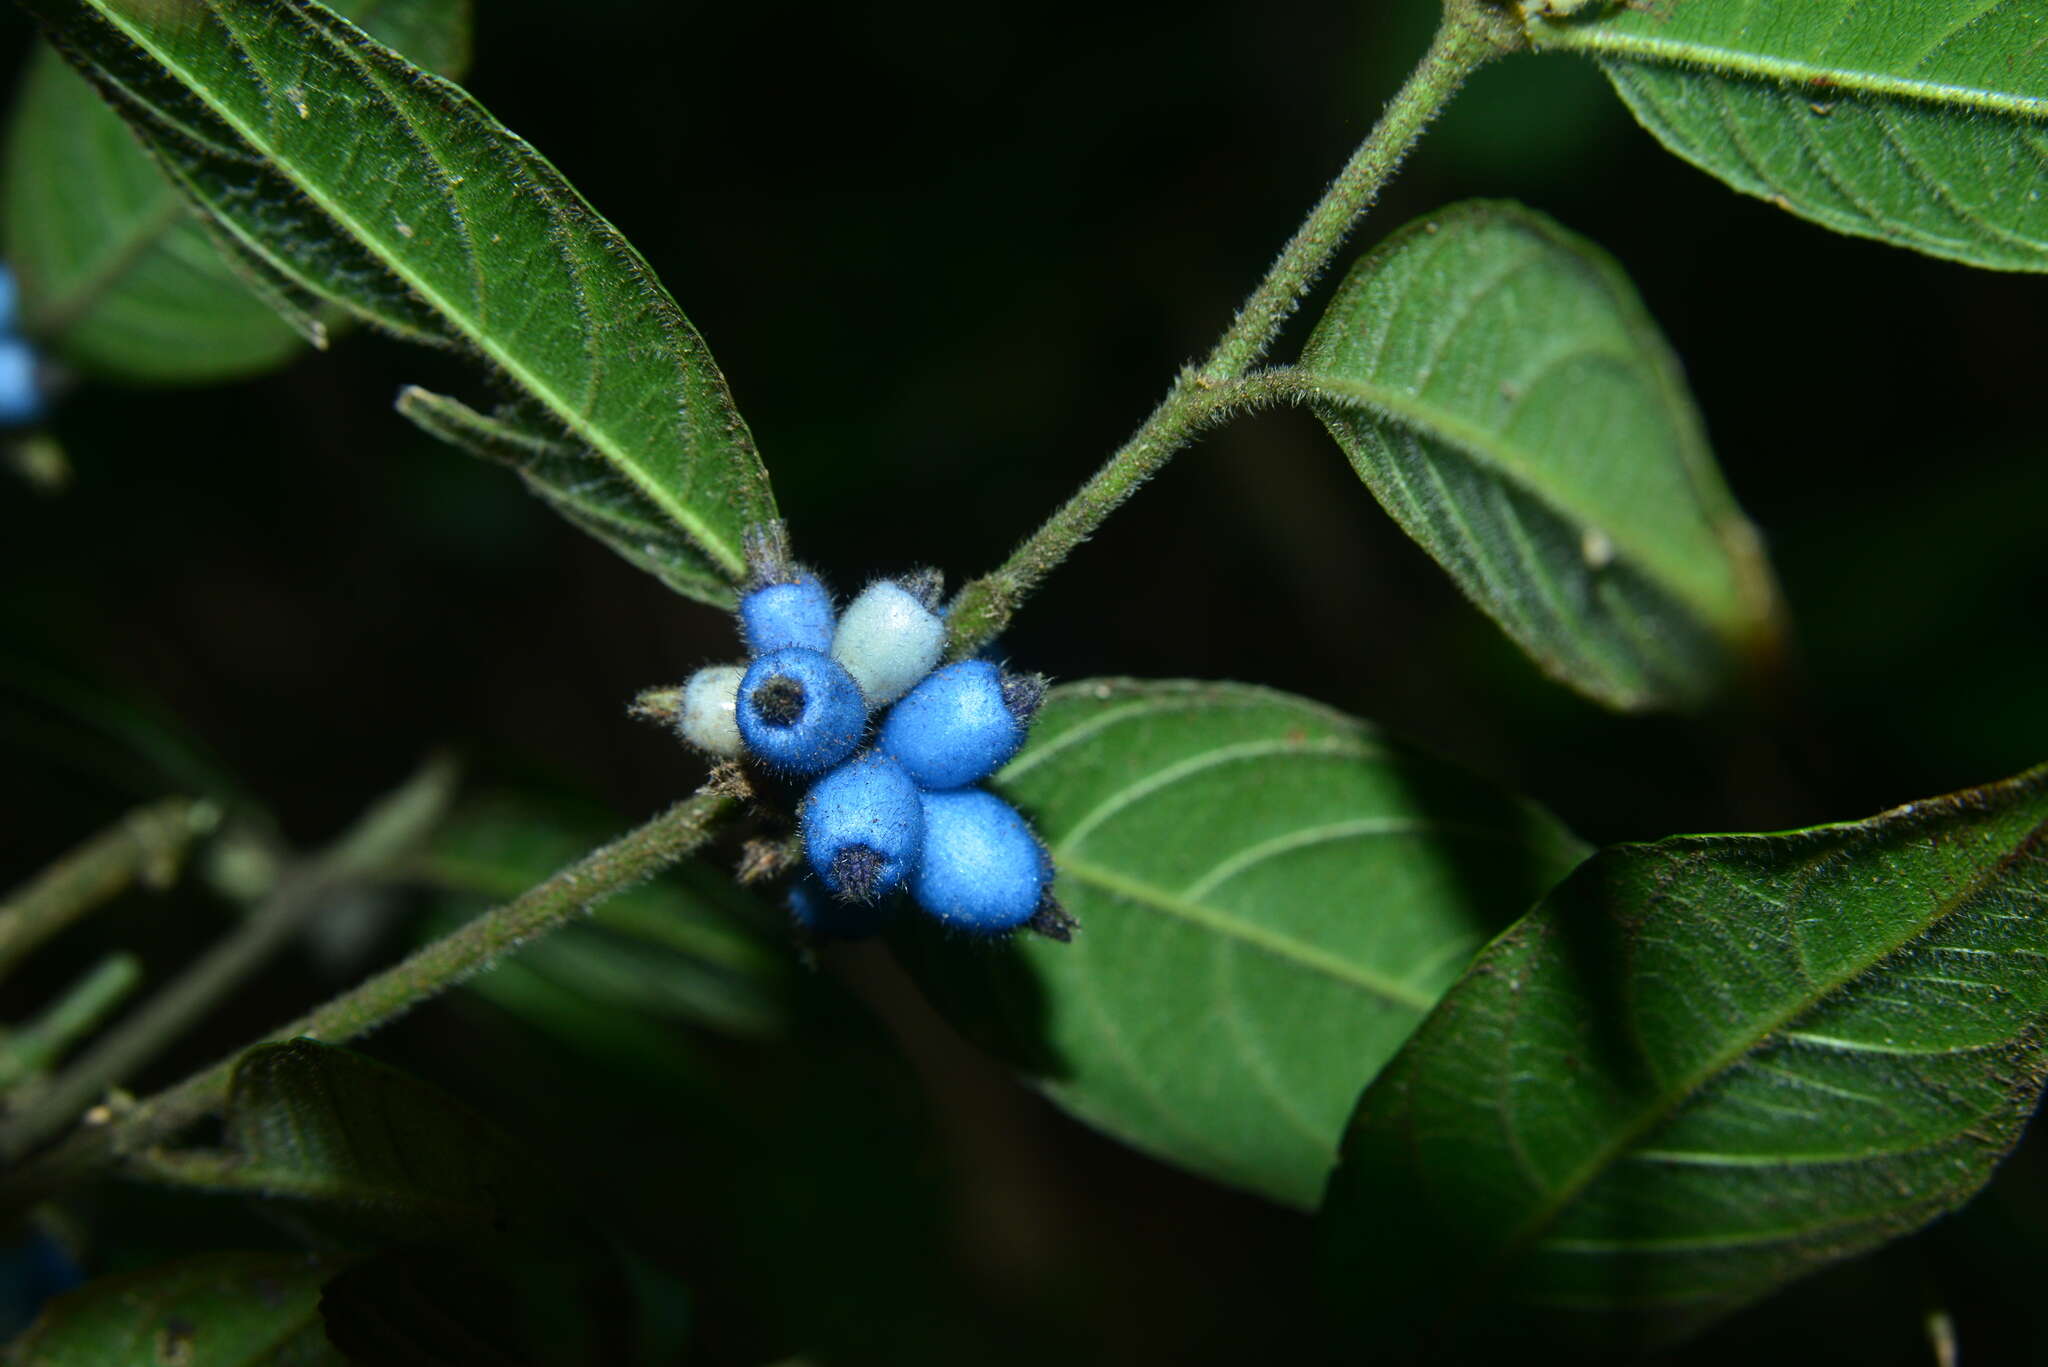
x=1706, y=1066
x=348, y=177
x=117, y=275
x=1270, y=896
x=367, y=1148
x=492, y=1250
x=1924, y=125
x=210, y=1310
x=1497, y=384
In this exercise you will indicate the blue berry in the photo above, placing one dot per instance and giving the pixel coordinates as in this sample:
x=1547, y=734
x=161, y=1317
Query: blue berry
x=863, y=827
x=10, y=300
x=21, y=396
x=890, y=637
x=706, y=715
x=961, y=724
x=799, y=712
x=983, y=869
x=794, y=613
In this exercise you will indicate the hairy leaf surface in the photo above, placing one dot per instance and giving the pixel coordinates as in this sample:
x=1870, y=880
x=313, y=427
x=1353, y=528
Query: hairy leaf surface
x=1497, y=384
x=216, y=1309
x=1270, y=896
x=366, y=1147
x=118, y=276
x=482, y=1244
x=1706, y=1066
x=345, y=176
x=1924, y=125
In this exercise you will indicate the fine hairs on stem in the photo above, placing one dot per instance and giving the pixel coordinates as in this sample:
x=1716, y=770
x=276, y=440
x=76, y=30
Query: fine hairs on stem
x=1472, y=33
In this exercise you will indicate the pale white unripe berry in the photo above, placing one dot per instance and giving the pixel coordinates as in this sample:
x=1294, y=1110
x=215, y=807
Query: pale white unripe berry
x=1559, y=9
x=888, y=639
x=706, y=718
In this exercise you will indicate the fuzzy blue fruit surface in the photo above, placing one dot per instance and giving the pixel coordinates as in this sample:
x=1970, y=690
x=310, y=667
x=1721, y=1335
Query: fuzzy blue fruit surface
x=888, y=639
x=955, y=728
x=778, y=616
x=818, y=913
x=10, y=301
x=983, y=869
x=863, y=827
x=799, y=711
x=21, y=397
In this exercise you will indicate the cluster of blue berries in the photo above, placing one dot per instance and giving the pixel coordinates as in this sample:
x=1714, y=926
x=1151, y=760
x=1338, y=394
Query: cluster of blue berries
x=21, y=390
x=889, y=745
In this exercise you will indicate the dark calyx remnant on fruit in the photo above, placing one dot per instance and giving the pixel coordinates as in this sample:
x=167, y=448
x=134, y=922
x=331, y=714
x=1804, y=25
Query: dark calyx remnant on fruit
x=1023, y=694
x=780, y=700
x=1052, y=920
x=857, y=872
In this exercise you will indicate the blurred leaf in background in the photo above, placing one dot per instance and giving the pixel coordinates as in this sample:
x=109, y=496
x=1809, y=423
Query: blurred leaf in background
x=683, y=950
x=119, y=277
x=215, y=1309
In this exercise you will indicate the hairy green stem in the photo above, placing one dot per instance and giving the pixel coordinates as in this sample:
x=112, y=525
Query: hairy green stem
x=1472, y=33
x=147, y=844
x=1469, y=36
x=634, y=857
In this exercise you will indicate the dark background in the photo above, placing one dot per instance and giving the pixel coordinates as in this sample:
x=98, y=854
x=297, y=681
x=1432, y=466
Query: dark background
x=948, y=257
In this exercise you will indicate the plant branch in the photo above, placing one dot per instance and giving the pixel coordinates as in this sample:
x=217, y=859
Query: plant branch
x=148, y=845
x=633, y=858
x=89, y=1000
x=369, y=850
x=1472, y=33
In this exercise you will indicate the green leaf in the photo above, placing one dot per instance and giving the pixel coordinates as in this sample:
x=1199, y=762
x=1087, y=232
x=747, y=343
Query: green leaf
x=359, y=181
x=597, y=500
x=1270, y=897
x=371, y=1149
x=1921, y=125
x=1497, y=384
x=492, y=1251
x=211, y=1310
x=434, y=34
x=1706, y=1066
x=117, y=275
